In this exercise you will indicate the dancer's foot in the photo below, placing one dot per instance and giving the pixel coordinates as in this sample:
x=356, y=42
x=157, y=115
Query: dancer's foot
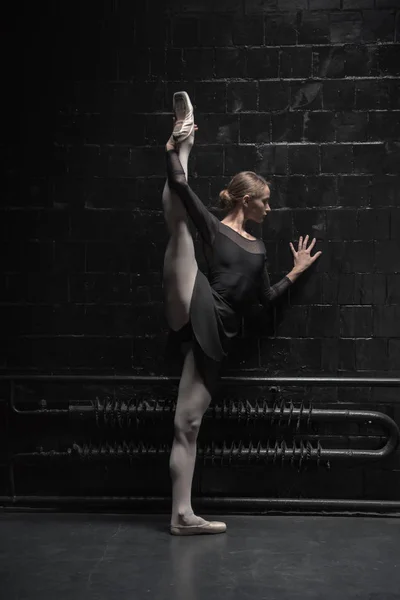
x=183, y=109
x=190, y=524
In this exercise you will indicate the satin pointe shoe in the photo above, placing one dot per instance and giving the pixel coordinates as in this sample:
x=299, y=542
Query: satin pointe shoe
x=207, y=528
x=183, y=110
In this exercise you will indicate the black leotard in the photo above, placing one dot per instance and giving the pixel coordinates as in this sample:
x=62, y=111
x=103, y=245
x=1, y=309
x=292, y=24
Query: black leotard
x=237, y=271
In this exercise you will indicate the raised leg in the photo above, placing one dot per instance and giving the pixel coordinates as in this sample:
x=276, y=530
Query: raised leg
x=180, y=265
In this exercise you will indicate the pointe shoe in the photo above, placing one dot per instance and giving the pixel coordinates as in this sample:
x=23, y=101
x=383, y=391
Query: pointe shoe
x=209, y=527
x=183, y=109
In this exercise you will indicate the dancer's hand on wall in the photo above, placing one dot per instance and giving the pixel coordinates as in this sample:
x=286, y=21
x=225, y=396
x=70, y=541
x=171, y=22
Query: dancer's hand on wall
x=303, y=258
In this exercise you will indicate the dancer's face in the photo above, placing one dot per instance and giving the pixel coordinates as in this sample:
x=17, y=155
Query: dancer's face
x=257, y=207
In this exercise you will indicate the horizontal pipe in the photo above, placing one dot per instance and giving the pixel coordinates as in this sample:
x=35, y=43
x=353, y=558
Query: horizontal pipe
x=233, y=505
x=241, y=380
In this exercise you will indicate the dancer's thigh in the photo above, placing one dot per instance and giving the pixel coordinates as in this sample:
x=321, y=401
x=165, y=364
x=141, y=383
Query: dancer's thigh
x=180, y=270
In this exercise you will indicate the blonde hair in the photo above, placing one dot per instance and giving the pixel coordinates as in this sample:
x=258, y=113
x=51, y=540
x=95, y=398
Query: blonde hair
x=245, y=182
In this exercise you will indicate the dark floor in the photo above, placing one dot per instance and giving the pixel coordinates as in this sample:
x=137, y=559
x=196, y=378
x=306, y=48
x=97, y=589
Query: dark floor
x=85, y=556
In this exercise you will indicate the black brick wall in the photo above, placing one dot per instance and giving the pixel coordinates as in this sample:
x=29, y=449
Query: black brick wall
x=307, y=92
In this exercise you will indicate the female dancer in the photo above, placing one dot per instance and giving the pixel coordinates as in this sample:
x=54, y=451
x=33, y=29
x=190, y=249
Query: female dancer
x=206, y=311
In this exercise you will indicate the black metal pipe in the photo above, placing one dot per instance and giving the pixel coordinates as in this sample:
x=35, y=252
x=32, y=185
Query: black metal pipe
x=242, y=380
x=217, y=504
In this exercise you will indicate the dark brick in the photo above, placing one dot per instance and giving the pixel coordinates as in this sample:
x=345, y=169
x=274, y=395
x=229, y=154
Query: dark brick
x=174, y=64
x=336, y=159
x=345, y=27
x=158, y=128
x=248, y=31
x=230, y=62
x=216, y=31
x=323, y=4
x=355, y=321
x=391, y=158
x=273, y=160
x=295, y=62
x=157, y=62
x=353, y=190
x=209, y=161
x=387, y=256
x=109, y=257
x=278, y=225
x=287, y=127
x=393, y=288
x=242, y=96
x=185, y=33
x=293, y=323
x=240, y=158
x=384, y=126
x=103, y=288
x=274, y=95
x=338, y=95
x=313, y=28
x=360, y=61
x=338, y=355
x=310, y=192
x=341, y=224
x=323, y=321
x=209, y=6
x=328, y=61
x=307, y=96
x=387, y=321
x=217, y=128
x=37, y=287
x=26, y=256
x=352, y=4
x=292, y=5
x=279, y=192
x=210, y=97
x=371, y=354
x=255, y=128
x=310, y=289
x=311, y=223
x=258, y=7
x=393, y=354
x=389, y=59
x=280, y=29
x=133, y=65
x=369, y=158
x=24, y=191
x=198, y=63
x=386, y=4
x=262, y=63
x=156, y=30
x=358, y=257
x=394, y=222
x=378, y=26
x=369, y=288
x=319, y=126
x=305, y=355
x=373, y=224
x=70, y=257
x=351, y=127
x=373, y=94
x=146, y=161
x=337, y=288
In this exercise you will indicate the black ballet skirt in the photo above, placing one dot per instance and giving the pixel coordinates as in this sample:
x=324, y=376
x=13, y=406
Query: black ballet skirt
x=237, y=275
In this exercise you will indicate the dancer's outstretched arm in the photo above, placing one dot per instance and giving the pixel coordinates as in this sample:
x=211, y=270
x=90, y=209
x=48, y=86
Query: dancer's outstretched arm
x=205, y=222
x=268, y=293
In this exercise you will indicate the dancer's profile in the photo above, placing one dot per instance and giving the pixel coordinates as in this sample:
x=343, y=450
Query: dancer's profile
x=205, y=311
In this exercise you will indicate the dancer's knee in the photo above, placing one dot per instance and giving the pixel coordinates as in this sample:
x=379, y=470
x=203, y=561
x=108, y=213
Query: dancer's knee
x=187, y=427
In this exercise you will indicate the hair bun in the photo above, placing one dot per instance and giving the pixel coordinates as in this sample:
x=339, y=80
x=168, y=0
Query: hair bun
x=225, y=198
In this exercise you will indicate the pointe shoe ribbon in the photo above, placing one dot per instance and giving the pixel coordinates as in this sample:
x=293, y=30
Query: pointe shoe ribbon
x=209, y=527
